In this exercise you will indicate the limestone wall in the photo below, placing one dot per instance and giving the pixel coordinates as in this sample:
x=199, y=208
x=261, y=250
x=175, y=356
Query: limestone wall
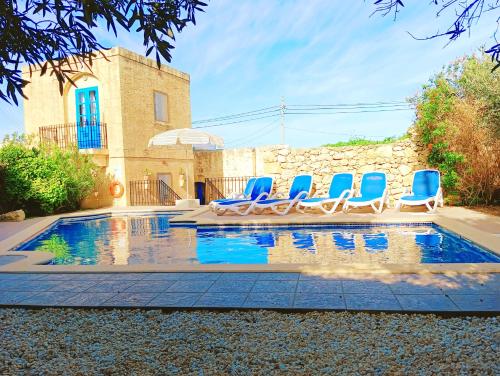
x=398, y=160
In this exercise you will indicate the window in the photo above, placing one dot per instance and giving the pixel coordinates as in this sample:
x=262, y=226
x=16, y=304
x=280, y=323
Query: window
x=161, y=107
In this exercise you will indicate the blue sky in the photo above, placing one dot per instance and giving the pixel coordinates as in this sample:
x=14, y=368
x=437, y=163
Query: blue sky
x=247, y=54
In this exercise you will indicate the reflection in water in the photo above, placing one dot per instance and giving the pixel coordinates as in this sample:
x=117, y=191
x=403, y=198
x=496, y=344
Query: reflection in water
x=151, y=240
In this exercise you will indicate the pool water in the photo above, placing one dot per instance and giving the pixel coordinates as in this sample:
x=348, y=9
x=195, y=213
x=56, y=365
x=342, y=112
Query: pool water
x=150, y=239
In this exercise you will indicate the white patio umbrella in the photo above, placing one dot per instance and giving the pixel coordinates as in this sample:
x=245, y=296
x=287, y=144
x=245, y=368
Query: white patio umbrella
x=188, y=136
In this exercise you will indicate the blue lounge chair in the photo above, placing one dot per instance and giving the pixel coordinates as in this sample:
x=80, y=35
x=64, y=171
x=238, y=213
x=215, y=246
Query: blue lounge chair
x=340, y=189
x=261, y=190
x=244, y=195
x=300, y=189
x=373, y=190
x=426, y=188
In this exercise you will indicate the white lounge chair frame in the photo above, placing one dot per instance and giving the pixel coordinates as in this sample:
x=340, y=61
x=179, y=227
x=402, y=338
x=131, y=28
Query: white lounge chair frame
x=241, y=207
x=438, y=199
x=346, y=193
x=384, y=199
x=232, y=196
x=285, y=201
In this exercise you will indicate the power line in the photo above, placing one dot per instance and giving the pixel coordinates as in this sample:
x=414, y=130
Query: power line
x=346, y=112
x=236, y=122
x=305, y=107
x=241, y=114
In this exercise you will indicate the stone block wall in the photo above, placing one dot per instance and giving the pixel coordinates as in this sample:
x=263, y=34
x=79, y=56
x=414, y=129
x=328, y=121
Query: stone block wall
x=398, y=160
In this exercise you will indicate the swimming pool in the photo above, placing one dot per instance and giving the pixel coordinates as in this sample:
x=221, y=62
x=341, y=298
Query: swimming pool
x=151, y=239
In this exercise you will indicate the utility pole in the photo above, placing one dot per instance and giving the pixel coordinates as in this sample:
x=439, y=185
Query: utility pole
x=282, y=113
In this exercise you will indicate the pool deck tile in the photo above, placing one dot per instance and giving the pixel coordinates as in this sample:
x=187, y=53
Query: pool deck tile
x=365, y=287
x=279, y=276
x=73, y=277
x=319, y=301
x=269, y=300
x=372, y=302
x=176, y=299
x=435, y=293
x=477, y=302
x=129, y=299
x=14, y=297
x=88, y=299
x=48, y=298
x=110, y=286
x=191, y=286
x=275, y=286
x=320, y=287
x=123, y=276
x=32, y=285
x=73, y=286
x=412, y=288
x=239, y=276
x=150, y=286
x=221, y=300
x=426, y=303
x=230, y=286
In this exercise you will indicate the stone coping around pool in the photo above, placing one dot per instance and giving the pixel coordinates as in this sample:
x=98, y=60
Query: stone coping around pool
x=480, y=228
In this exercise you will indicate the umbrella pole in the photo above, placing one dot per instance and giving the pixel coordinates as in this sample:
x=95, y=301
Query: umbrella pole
x=187, y=181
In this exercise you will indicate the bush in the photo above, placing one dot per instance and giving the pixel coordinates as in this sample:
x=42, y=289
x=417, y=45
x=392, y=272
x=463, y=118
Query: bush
x=458, y=117
x=359, y=141
x=44, y=180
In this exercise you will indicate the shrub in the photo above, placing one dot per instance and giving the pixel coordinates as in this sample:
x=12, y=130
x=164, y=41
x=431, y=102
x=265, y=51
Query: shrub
x=359, y=141
x=458, y=117
x=44, y=180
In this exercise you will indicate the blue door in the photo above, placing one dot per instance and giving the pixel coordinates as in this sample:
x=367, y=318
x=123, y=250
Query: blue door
x=88, y=127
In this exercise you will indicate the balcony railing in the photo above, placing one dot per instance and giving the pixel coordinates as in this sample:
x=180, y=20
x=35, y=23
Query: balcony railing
x=217, y=188
x=89, y=135
x=152, y=192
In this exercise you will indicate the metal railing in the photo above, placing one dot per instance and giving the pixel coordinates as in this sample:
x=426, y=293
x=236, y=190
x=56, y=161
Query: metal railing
x=85, y=135
x=217, y=188
x=151, y=192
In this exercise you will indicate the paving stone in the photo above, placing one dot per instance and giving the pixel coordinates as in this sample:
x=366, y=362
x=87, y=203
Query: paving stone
x=319, y=301
x=162, y=276
x=130, y=299
x=73, y=276
x=73, y=286
x=190, y=286
x=110, y=286
x=13, y=297
x=275, y=286
x=239, y=276
x=279, y=276
x=269, y=300
x=365, y=287
x=320, y=287
x=150, y=286
x=199, y=276
x=421, y=302
x=468, y=288
x=123, y=276
x=310, y=277
x=410, y=288
x=89, y=299
x=221, y=300
x=12, y=276
x=32, y=286
x=232, y=286
x=48, y=298
x=180, y=300
x=477, y=302
x=376, y=302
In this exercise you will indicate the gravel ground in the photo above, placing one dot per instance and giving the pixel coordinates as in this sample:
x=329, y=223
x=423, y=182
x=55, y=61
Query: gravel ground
x=135, y=342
